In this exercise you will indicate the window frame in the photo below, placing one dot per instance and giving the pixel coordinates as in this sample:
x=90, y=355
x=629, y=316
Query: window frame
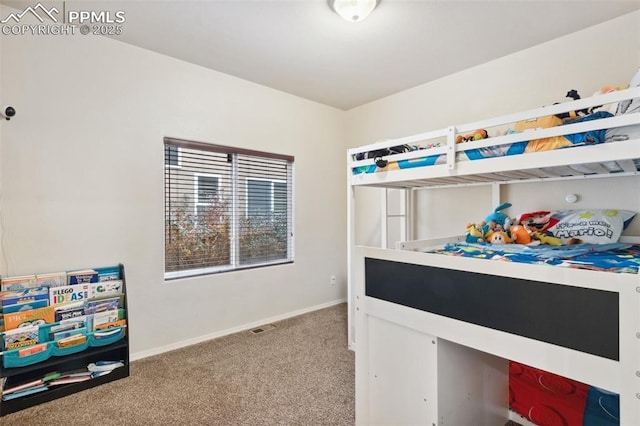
x=235, y=263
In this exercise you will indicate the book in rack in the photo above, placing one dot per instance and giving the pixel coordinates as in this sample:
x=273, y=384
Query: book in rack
x=52, y=324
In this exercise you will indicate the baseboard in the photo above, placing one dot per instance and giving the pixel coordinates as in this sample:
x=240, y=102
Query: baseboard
x=184, y=343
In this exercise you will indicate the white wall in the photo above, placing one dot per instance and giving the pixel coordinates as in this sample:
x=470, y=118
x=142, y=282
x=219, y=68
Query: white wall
x=605, y=54
x=81, y=165
x=82, y=168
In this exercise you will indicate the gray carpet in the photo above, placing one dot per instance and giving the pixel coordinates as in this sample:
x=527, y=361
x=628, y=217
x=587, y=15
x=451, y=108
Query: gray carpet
x=300, y=373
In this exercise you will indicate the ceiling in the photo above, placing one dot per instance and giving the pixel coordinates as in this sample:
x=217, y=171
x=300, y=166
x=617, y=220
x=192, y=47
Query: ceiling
x=303, y=48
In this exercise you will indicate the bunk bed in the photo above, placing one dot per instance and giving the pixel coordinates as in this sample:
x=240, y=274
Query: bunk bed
x=435, y=336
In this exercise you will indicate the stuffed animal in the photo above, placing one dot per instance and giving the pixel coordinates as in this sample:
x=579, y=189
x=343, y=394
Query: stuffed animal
x=547, y=239
x=572, y=95
x=497, y=218
x=520, y=234
x=498, y=237
x=538, y=221
x=612, y=108
x=475, y=136
x=475, y=233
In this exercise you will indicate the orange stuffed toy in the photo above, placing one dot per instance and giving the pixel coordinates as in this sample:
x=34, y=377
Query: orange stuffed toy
x=520, y=234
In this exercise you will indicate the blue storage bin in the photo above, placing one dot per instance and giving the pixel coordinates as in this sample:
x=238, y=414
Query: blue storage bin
x=106, y=340
x=12, y=358
x=44, y=330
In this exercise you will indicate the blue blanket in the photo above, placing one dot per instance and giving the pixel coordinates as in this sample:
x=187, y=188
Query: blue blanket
x=617, y=257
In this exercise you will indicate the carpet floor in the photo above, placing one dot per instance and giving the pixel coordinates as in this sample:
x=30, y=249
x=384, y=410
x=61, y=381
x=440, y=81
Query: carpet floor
x=299, y=373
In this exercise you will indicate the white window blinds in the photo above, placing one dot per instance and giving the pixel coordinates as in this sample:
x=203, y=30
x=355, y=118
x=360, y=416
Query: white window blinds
x=225, y=208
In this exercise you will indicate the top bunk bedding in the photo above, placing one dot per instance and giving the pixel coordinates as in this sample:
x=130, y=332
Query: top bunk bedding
x=605, y=141
x=591, y=137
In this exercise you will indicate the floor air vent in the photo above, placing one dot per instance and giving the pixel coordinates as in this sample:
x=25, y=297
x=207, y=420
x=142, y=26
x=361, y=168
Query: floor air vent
x=263, y=328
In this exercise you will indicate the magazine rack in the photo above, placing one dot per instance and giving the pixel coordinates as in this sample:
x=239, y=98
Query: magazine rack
x=15, y=370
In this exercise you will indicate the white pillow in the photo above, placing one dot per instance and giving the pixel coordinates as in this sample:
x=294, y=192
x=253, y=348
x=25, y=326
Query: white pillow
x=595, y=226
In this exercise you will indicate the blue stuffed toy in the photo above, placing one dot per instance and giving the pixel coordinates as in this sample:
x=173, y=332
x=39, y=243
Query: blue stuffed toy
x=498, y=217
x=495, y=222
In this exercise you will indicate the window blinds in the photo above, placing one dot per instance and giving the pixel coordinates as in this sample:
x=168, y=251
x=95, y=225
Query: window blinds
x=225, y=208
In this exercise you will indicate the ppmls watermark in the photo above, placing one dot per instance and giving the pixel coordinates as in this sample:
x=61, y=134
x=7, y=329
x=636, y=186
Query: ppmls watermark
x=40, y=20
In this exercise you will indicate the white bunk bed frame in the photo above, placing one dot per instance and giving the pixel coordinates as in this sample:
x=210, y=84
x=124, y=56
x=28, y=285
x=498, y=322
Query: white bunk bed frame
x=416, y=367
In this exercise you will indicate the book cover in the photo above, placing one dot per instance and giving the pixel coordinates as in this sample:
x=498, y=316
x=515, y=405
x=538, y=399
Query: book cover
x=68, y=294
x=18, y=283
x=108, y=273
x=106, y=326
x=99, y=366
x=82, y=321
x=21, y=337
x=65, y=312
x=78, y=323
x=105, y=288
x=102, y=305
x=30, y=350
x=8, y=293
x=51, y=376
x=34, y=317
x=68, y=333
x=56, y=279
x=106, y=317
x=72, y=340
x=70, y=379
x=35, y=304
x=24, y=392
x=22, y=386
x=85, y=276
x=97, y=374
x=75, y=373
x=25, y=296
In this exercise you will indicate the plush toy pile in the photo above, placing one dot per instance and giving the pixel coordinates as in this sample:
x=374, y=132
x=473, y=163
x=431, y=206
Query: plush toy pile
x=564, y=227
x=499, y=228
x=475, y=136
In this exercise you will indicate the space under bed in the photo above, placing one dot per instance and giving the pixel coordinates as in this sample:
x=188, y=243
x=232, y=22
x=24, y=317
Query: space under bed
x=537, y=395
x=550, y=318
x=507, y=303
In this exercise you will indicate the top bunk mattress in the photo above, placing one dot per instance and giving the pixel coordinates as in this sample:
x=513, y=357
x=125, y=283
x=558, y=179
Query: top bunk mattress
x=591, y=137
x=444, y=156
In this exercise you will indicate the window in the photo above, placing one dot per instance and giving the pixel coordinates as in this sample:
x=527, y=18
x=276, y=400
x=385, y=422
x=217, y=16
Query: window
x=205, y=191
x=266, y=197
x=171, y=156
x=225, y=208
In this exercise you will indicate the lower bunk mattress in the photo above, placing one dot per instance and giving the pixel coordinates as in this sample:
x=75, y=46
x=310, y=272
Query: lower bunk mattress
x=547, y=399
x=615, y=257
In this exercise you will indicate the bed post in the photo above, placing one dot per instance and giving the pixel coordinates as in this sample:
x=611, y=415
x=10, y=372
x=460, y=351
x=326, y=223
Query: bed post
x=351, y=238
x=495, y=194
x=451, y=147
x=630, y=356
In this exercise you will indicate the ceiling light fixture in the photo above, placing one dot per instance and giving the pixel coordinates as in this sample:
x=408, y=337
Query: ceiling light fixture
x=353, y=10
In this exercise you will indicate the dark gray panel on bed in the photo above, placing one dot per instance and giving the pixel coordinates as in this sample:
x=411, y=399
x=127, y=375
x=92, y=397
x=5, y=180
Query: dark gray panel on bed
x=577, y=318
